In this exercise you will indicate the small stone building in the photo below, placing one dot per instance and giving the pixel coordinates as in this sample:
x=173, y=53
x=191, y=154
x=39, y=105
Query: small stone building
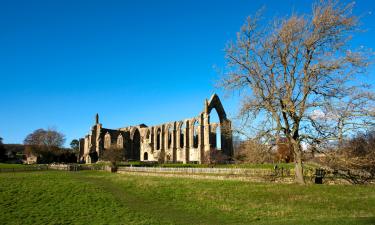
x=30, y=159
x=186, y=141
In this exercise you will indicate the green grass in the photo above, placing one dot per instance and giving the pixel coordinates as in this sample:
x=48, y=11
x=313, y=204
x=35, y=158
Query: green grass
x=94, y=197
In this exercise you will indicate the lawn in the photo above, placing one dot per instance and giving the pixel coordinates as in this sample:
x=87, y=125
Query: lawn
x=95, y=197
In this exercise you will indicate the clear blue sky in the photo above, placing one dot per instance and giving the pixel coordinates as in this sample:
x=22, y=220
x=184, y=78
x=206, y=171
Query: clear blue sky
x=131, y=61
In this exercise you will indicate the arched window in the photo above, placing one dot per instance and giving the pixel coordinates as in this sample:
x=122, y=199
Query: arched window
x=152, y=138
x=195, y=128
x=182, y=135
x=170, y=136
x=107, y=141
x=136, y=145
x=218, y=137
x=145, y=156
x=120, y=141
x=158, y=139
x=214, y=119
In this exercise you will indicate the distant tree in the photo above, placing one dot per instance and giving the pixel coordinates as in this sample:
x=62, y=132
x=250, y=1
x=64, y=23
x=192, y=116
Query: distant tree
x=74, y=145
x=113, y=155
x=14, y=151
x=284, y=152
x=43, y=154
x=292, y=68
x=348, y=114
x=215, y=156
x=46, y=145
x=49, y=138
x=253, y=150
x=2, y=151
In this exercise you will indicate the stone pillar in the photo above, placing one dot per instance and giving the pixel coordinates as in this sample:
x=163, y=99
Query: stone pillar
x=191, y=133
x=186, y=141
x=93, y=139
x=87, y=145
x=201, y=139
x=155, y=138
x=98, y=140
x=173, y=144
x=166, y=137
x=152, y=139
x=162, y=144
x=226, y=137
x=206, y=132
x=179, y=149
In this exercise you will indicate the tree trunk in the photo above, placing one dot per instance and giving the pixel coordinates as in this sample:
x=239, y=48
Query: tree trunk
x=298, y=163
x=340, y=133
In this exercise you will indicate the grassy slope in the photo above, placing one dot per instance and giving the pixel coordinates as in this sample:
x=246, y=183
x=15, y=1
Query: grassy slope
x=91, y=197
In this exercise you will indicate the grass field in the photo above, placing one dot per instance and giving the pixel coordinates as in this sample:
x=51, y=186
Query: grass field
x=93, y=197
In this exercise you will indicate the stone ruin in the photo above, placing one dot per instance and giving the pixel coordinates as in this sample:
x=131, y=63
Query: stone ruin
x=192, y=140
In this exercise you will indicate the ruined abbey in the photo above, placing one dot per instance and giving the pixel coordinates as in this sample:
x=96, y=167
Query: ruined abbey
x=191, y=140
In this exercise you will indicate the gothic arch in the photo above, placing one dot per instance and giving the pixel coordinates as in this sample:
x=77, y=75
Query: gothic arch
x=148, y=134
x=181, y=128
x=107, y=141
x=195, y=132
x=169, y=135
x=120, y=141
x=225, y=124
x=158, y=138
x=132, y=132
x=215, y=103
x=135, y=137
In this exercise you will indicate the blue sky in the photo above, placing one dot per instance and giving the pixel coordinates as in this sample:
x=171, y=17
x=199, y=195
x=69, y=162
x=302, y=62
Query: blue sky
x=131, y=61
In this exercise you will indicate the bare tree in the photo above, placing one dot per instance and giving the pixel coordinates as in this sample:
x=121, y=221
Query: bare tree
x=254, y=151
x=346, y=115
x=113, y=155
x=49, y=138
x=215, y=156
x=289, y=69
x=355, y=158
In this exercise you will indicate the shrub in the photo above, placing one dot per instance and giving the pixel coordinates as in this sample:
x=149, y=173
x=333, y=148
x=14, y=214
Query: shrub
x=253, y=151
x=355, y=159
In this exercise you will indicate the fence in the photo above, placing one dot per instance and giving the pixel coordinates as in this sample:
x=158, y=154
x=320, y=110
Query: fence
x=25, y=168
x=77, y=167
x=64, y=167
x=277, y=172
x=221, y=171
